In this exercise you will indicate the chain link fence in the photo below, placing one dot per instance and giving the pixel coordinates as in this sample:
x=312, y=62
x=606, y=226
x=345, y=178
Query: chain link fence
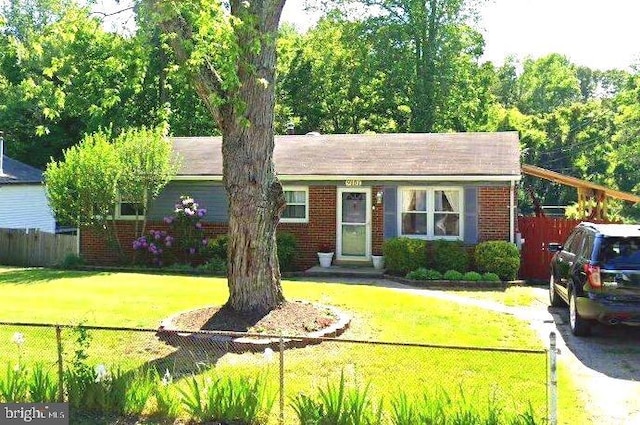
x=183, y=367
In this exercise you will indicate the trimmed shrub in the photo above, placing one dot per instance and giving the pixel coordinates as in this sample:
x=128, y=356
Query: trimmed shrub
x=403, y=255
x=424, y=274
x=472, y=276
x=217, y=248
x=287, y=247
x=499, y=257
x=216, y=252
x=449, y=255
x=453, y=275
x=214, y=265
x=490, y=277
x=71, y=261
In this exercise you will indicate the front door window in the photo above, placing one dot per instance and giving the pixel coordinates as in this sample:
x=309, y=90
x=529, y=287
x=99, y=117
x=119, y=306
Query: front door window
x=354, y=224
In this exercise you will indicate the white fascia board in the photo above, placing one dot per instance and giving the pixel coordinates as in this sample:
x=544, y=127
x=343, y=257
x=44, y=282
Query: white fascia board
x=294, y=177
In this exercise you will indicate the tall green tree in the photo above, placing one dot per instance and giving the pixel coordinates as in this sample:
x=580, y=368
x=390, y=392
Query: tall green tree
x=434, y=32
x=548, y=83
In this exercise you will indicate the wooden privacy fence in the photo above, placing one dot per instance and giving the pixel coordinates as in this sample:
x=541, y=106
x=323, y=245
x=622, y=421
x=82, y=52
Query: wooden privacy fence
x=537, y=232
x=19, y=247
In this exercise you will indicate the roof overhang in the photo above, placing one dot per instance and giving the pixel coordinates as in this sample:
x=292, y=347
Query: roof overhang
x=534, y=171
x=412, y=178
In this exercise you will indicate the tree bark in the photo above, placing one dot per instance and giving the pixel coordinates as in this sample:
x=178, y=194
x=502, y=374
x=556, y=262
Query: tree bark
x=246, y=117
x=256, y=199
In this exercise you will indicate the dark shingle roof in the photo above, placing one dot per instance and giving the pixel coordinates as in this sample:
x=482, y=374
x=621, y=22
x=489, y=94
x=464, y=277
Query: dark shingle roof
x=413, y=155
x=16, y=172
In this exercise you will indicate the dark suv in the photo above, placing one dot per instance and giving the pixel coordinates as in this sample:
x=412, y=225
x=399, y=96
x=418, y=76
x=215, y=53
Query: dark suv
x=597, y=272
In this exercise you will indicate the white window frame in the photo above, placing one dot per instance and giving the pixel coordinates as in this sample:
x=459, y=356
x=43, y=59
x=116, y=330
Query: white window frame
x=304, y=189
x=431, y=190
x=120, y=216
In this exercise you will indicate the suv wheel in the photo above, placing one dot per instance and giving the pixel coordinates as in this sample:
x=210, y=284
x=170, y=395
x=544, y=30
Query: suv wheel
x=579, y=325
x=554, y=299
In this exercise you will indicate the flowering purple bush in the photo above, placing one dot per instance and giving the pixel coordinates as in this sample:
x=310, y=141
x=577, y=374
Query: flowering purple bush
x=184, y=240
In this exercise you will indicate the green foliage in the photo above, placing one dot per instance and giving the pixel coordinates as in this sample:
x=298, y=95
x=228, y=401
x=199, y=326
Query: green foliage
x=71, y=261
x=237, y=399
x=102, y=170
x=448, y=255
x=403, y=255
x=166, y=397
x=438, y=407
x=13, y=385
x=424, y=274
x=499, y=257
x=287, y=248
x=548, y=83
x=214, y=265
x=217, y=248
x=337, y=405
x=452, y=275
x=490, y=277
x=42, y=384
x=83, y=188
x=472, y=276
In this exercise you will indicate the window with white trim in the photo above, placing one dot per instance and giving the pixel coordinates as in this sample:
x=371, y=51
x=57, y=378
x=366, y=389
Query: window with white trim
x=297, y=209
x=129, y=210
x=431, y=212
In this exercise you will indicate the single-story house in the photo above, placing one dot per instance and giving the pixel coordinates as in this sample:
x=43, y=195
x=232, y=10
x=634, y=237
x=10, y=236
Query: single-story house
x=352, y=192
x=23, y=199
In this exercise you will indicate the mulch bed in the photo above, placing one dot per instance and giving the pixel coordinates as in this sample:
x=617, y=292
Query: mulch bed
x=292, y=318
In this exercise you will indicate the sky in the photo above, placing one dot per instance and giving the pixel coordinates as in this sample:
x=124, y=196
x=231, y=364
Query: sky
x=595, y=33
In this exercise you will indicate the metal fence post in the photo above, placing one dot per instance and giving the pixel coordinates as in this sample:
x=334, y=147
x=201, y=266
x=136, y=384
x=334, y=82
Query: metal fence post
x=553, y=381
x=60, y=365
x=281, y=346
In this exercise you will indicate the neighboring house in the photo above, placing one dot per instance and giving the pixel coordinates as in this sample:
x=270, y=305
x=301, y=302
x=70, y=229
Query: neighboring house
x=354, y=191
x=23, y=200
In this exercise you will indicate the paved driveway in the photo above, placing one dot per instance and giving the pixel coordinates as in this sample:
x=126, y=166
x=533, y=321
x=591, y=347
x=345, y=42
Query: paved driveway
x=606, y=367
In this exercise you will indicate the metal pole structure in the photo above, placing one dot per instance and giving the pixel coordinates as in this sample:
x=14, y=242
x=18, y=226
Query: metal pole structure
x=60, y=365
x=553, y=381
x=281, y=380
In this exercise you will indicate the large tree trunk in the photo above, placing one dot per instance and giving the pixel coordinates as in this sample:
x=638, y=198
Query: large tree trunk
x=255, y=195
x=245, y=115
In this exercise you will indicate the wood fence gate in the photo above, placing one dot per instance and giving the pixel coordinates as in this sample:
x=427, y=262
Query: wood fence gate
x=537, y=232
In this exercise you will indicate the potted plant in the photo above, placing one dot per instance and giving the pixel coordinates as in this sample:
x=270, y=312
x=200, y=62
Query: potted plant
x=378, y=259
x=325, y=255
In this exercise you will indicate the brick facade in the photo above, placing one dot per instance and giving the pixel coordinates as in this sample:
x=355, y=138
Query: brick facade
x=493, y=224
x=493, y=213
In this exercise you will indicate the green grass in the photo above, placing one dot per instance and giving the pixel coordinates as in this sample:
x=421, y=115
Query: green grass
x=139, y=300
x=512, y=296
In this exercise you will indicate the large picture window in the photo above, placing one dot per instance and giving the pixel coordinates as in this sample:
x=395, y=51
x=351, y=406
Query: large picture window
x=297, y=209
x=431, y=213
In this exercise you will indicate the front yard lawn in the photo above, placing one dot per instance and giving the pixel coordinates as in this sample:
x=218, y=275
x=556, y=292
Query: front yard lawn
x=140, y=300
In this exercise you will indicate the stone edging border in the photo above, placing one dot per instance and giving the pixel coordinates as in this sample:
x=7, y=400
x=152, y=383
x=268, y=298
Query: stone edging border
x=238, y=342
x=455, y=284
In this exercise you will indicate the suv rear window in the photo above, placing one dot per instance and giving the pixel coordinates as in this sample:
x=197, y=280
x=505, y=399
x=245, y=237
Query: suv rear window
x=620, y=253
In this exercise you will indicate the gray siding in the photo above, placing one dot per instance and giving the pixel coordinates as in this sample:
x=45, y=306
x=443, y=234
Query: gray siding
x=470, y=215
x=390, y=220
x=209, y=195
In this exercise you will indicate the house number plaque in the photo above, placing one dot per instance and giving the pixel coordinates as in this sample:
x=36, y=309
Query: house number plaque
x=352, y=182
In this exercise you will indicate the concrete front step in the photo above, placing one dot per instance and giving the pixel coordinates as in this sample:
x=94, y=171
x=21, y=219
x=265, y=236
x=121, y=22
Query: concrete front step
x=345, y=271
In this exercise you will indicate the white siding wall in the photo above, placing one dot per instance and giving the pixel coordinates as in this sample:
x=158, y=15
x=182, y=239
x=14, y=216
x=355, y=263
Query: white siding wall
x=25, y=207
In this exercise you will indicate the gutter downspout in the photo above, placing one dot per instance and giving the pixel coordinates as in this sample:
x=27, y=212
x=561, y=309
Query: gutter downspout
x=512, y=212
